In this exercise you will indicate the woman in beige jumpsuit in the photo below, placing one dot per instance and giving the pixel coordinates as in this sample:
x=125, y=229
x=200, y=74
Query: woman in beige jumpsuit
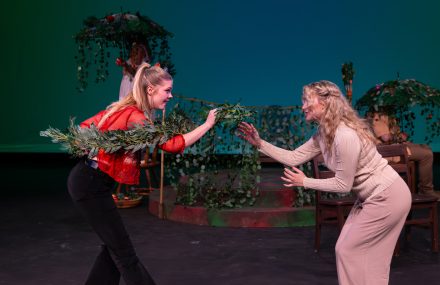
x=366, y=243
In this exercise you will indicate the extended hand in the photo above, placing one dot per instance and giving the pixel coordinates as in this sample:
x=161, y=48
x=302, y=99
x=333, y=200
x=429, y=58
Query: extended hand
x=194, y=135
x=210, y=120
x=293, y=178
x=248, y=132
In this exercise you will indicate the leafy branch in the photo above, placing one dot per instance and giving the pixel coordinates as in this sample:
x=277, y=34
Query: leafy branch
x=81, y=141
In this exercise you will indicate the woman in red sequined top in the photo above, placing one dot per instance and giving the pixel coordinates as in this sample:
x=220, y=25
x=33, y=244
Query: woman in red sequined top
x=91, y=182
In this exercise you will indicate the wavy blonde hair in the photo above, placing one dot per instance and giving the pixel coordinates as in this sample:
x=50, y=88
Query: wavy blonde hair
x=146, y=75
x=337, y=109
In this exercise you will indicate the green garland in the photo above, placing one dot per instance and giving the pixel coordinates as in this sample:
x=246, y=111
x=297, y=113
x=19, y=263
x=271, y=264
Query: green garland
x=87, y=141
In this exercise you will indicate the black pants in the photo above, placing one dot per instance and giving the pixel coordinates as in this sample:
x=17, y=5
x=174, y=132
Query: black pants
x=91, y=191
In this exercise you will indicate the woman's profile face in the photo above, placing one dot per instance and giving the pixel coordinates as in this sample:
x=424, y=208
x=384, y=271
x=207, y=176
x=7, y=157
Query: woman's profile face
x=313, y=108
x=161, y=94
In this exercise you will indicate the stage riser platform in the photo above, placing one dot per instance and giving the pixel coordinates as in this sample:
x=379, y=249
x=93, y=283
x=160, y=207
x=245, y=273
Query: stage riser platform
x=273, y=208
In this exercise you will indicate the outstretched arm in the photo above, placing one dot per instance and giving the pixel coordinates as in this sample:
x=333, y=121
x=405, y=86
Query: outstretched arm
x=197, y=133
x=295, y=157
x=178, y=143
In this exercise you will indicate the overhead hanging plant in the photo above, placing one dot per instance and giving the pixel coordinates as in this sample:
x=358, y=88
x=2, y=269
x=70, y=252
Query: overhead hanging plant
x=101, y=36
x=402, y=98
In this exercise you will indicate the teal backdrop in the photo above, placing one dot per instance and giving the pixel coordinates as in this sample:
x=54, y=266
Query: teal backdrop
x=254, y=52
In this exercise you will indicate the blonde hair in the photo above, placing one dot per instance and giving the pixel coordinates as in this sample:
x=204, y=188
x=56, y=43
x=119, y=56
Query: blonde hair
x=337, y=109
x=146, y=75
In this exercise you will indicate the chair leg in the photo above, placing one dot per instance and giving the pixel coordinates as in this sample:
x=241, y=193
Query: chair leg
x=317, y=230
x=434, y=228
x=408, y=227
x=341, y=218
x=151, y=174
x=397, y=247
x=148, y=177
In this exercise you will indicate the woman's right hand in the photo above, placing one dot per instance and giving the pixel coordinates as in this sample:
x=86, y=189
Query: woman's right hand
x=249, y=132
x=210, y=120
x=193, y=136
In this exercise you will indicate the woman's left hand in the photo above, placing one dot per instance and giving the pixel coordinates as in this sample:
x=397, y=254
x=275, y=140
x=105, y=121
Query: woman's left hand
x=293, y=178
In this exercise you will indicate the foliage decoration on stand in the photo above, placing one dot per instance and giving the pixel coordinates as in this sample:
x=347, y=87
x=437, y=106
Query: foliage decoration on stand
x=347, y=77
x=99, y=37
x=401, y=98
x=220, y=171
x=204, y=164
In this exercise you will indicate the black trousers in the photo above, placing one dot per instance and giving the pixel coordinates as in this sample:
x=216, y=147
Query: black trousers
x=91, y=191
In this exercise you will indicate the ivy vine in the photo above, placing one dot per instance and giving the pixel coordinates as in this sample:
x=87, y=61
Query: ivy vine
x=222, y=158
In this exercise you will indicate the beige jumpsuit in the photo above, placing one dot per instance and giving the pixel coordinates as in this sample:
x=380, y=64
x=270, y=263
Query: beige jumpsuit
x=366, y=243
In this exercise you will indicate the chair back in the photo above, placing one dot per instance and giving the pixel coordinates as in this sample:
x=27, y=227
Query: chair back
x=320, y=171
x=397, y=156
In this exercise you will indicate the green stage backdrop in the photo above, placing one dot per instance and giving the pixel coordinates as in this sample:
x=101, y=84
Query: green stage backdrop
x=256, y=52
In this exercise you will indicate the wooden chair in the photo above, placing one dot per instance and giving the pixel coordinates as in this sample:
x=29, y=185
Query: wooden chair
x=405, y=168
x=148, y=163
x=328, y=211
x=264, y=159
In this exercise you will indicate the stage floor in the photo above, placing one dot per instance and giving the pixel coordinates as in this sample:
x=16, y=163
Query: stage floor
x=45, y=241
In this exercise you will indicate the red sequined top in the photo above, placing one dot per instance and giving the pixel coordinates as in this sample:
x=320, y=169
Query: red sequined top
x=123, y=166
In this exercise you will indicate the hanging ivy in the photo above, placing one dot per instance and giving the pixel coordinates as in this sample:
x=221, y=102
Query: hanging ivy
x=407, y=100
x=100, y=37
x=222, y=171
